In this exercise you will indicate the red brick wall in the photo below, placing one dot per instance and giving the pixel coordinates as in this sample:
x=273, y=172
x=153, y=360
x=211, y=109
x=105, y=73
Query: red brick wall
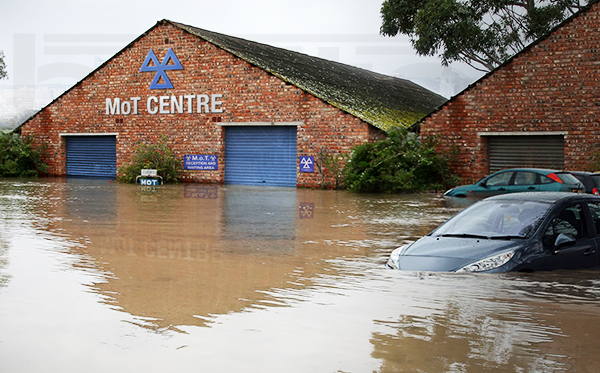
x=552, y=86
x=249, y=95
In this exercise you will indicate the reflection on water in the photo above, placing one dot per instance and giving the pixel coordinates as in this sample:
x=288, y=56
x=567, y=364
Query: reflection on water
x=102, y=276
x=263, y=215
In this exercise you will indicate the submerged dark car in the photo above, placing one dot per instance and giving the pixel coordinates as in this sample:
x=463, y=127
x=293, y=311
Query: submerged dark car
x=512, y=232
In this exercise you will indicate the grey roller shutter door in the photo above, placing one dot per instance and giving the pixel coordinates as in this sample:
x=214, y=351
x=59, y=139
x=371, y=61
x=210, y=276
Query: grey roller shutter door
x=259, y=155
x=92, y=156
x=526, y=151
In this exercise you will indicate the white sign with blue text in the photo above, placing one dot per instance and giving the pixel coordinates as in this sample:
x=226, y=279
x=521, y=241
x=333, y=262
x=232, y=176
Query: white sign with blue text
x=149, y=182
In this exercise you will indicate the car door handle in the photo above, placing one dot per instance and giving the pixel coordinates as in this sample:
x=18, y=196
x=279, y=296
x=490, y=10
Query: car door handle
x=531, y=188
x=502, y=189
x=589, y=252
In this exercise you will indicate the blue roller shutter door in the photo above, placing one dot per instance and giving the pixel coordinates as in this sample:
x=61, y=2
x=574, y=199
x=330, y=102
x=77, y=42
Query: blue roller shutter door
x=92, y=156
x=256, y=155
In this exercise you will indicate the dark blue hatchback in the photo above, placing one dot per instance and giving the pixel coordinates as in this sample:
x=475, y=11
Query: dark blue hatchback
x=512, y=232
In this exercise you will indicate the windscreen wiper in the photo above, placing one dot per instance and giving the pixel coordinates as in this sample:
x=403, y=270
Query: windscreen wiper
x=464, y=235
x=506, y=237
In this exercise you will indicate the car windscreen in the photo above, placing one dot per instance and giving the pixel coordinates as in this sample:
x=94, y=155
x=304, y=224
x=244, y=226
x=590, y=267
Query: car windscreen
x=568, y=178
x=495, y=219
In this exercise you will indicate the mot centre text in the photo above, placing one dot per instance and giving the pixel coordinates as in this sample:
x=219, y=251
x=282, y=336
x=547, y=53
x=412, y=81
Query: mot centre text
x=166, y=105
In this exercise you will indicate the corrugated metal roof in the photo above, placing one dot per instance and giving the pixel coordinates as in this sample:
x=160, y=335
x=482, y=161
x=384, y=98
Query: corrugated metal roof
x=378, y=99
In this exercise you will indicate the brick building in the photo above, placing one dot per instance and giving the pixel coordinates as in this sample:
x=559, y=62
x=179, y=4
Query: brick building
x=233, y=110
x=539, y=109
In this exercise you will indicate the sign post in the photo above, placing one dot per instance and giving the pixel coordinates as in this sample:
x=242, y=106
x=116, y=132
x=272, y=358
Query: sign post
x=149, y=177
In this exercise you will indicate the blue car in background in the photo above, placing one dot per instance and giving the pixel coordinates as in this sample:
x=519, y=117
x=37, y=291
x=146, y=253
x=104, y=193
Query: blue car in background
x=516, y=180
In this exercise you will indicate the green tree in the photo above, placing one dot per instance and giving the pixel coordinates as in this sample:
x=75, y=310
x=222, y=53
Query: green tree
x=3, y=73
x=19, y=156
x=481, y=33
x=401, y=163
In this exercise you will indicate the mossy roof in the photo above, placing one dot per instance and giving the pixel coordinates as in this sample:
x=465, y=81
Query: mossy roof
x=378, y=99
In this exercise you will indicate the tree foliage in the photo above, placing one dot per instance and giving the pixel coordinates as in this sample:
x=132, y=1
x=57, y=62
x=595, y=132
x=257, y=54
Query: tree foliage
x=157, y=156
x=401, y=163
x=19, y=156
x=481, y=33
x=3, y=73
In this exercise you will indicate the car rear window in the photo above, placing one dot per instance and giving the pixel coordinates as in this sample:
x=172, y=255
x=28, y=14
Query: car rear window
x=567, y=178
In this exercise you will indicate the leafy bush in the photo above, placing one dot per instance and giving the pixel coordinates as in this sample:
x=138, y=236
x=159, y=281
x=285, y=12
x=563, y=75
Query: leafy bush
x=157, y=156
x=19, y=156
x=402, y=162
x=331, y=167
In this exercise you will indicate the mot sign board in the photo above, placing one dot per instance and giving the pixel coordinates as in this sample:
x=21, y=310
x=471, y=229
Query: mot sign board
x=149, y=182
x=307, y=164
x=200, y=162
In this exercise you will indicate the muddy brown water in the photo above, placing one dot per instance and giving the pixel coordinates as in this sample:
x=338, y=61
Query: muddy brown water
x=98, y=277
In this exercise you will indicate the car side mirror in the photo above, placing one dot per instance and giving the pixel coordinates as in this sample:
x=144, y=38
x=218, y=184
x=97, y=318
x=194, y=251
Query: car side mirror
x=564, y=240
x=483, y=184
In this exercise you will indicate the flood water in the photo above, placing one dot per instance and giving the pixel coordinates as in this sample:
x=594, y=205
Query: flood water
x=104, y=277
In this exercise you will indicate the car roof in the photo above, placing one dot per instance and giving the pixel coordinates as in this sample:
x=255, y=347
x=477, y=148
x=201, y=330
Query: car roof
x=547, y=197
x=540, y=170
x=583, y=173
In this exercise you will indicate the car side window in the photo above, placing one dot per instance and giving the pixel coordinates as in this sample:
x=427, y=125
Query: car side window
x=595, y=210
x=546, y=180
x=525, y=178
x=500, y=179
x=568, y=221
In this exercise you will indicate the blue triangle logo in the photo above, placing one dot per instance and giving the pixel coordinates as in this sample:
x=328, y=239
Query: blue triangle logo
x=170, y=62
